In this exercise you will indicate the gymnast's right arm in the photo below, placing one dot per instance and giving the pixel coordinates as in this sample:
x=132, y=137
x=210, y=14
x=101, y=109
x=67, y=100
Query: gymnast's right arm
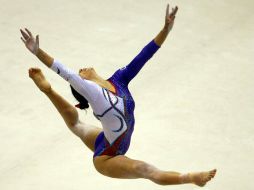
x=86, y=88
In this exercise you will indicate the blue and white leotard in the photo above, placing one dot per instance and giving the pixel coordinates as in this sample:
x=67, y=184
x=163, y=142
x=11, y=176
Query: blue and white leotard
x=114, y=110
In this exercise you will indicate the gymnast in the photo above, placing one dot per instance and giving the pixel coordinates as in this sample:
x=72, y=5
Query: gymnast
x=113, y=105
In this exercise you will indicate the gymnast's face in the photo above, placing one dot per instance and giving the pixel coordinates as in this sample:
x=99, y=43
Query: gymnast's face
x=87, y=73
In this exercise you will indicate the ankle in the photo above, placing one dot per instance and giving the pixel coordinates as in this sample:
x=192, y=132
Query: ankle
x=186, y=178
x=48, y=91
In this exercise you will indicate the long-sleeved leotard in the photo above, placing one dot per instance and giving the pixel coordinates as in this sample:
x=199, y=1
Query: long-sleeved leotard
x=114, y=110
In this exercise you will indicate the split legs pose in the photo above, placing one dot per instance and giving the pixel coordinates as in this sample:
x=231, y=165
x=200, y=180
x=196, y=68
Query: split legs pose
x=118, y=166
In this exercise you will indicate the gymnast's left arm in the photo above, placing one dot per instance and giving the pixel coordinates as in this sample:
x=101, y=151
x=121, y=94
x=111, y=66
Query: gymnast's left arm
x=169, y=22
x=126, y=74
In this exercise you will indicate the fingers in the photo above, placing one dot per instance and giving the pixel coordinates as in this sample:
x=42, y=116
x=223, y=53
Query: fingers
x=37, y=39
x=24, y=34
x=30, y=34
x=174, y=11
x=171, y=16
x=23, y=40
x=167, y=10
x=31, y=43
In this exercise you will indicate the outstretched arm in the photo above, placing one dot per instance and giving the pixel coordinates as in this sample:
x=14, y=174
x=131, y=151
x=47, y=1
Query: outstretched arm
x=86, y=88
x=169, y=22
x=126, y=74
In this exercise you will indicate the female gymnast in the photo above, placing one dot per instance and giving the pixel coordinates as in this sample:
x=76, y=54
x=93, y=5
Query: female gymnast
x=113, y=105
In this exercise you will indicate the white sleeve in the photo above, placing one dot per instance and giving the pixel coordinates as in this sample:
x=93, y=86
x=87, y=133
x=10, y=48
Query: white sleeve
x=89, y=89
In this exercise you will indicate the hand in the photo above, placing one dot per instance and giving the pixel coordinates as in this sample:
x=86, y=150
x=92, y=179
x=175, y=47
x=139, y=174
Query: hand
x=31, y=43
x=170, y=17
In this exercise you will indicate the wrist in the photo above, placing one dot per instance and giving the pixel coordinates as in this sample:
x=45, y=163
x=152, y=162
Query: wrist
x=36, y=52
x=166, y=29
x=48, y=91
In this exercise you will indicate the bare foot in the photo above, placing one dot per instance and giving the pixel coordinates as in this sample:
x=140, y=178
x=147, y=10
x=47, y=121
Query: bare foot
x=201, y=178
x=37, y=76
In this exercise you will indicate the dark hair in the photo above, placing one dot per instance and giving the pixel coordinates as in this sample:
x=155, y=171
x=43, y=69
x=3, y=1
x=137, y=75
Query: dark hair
x=83, y=103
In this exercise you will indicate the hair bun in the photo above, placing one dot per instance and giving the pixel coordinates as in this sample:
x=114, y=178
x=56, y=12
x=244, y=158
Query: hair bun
x=83, y=105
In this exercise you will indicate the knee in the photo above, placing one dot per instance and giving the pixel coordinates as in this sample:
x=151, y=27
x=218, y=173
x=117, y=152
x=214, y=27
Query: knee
x=70, y=116
x=140, y=166
x=143, y=169
x=76, y=128
x=150, y=172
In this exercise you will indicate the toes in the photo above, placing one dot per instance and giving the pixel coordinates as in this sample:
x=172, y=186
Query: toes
x=36, y=69
x=208, y=178
x=210, y=175
x=213, y=172
x=33, y=71
x=30, y=72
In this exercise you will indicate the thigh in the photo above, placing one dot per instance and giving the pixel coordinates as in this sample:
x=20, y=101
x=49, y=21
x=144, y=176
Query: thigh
x=87, y=133
x=121, y=167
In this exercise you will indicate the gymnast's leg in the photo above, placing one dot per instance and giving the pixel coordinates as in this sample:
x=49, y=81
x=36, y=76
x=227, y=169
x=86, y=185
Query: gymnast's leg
x=86, y=132
x=126, y=168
